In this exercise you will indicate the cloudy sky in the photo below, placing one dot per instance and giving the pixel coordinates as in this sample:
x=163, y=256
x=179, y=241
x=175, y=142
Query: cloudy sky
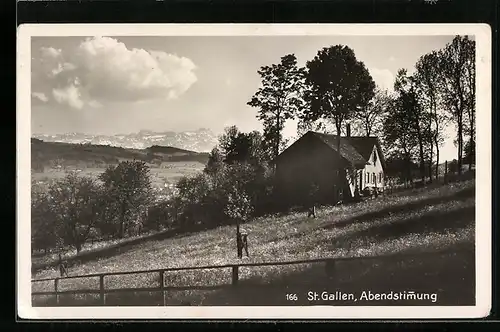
x=110, y=85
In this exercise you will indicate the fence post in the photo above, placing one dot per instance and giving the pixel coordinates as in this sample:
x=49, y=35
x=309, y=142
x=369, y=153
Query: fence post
x=56, y=286
x=330, y=268
x=162, y=286
x=101, y=290
x=235, y=275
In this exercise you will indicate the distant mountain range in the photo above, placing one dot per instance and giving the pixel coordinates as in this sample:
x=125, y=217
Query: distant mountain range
x=201, y=140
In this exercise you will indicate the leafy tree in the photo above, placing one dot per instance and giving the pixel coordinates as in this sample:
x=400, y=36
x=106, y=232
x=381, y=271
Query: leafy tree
x=428, y=79
x=44, y=227
x=107, y=222
x=226, y=144
x=128, y=185
x=338, y=85
x=74, y=201
x=278, y=99
x=238, y=147
x=370, y=118
x=159, y=215
x=238, y=207
x=215, y=161
x=407, y=89
x=192, y=200
x=457, y=73
x=399, y=140
x=238, y=164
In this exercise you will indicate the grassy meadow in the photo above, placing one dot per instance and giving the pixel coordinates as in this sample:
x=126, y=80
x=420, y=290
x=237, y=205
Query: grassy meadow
x=413, y=221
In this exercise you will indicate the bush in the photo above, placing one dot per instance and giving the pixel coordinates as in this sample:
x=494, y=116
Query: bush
x=44, y=227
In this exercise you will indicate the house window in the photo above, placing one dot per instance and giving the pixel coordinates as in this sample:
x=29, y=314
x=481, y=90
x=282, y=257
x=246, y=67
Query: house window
x=374, y=158
x=380, y=177
x=373, y=177
x=367, y=177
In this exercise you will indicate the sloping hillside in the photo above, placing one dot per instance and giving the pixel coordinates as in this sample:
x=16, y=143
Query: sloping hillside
x=49, y=154
x=413, y=221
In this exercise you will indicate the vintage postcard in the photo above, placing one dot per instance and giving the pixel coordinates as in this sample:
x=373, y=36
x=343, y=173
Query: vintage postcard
x=254, y=171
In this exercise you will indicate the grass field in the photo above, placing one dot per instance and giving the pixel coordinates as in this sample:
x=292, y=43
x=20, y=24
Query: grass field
x=412, y=221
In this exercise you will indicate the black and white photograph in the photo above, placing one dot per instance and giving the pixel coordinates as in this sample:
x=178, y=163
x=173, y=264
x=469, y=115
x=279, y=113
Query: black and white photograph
x=254, y=171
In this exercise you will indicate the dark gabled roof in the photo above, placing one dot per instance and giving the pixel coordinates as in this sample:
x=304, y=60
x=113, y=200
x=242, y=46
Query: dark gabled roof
x=364, y=145
x=347, y=151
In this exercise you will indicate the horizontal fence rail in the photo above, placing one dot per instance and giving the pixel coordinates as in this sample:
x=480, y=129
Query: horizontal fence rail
x=102, y=291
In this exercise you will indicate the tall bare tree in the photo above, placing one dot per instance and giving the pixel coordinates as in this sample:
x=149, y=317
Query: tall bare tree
x=400, y=142
x=370, y=118
x=456, y=86
x=427, y=79
x=407, y=89
x=470, y=75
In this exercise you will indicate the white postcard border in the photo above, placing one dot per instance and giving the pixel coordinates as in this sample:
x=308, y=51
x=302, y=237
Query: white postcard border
x=482, y=33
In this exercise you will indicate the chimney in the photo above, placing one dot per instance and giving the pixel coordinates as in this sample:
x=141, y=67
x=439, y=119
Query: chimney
x=348, y=130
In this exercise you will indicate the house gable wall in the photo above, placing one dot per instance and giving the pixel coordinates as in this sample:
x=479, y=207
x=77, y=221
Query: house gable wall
x=374, y=167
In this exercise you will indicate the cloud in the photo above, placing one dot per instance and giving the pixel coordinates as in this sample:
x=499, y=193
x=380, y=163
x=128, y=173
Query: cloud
x=40, y=96
x=50, y=52
x=102, y=70
x=383, y=78
x=70, y=96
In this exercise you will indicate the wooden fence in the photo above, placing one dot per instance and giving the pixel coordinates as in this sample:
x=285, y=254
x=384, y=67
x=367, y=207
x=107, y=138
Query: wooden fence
x=329, y=264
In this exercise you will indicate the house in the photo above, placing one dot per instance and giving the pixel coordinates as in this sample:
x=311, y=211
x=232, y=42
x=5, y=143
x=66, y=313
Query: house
x=314, y=162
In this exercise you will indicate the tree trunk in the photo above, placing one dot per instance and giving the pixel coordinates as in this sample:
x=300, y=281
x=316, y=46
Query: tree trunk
x=277, y=147
x=431, y=157
x=472, y=142
x=421, y=152
x=437, y=160
x=436, y=141
x=430, y=162
x=338, y=126
x=460, y=143
x=408, y=171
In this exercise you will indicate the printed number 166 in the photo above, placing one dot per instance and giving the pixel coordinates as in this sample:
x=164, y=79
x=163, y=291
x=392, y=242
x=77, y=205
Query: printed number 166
x=291, y=297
